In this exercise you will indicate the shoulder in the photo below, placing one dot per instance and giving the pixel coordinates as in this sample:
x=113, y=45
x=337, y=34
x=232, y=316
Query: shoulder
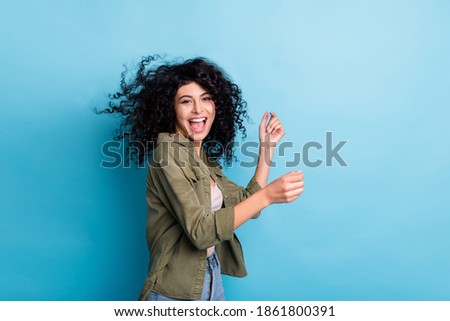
x=173, y=157
x=171, y=149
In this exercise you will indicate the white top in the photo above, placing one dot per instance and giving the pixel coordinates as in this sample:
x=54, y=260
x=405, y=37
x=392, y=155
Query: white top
x=216, y=204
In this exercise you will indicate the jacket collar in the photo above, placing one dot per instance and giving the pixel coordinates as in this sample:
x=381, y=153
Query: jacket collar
x=176, y=138
x=186, y=142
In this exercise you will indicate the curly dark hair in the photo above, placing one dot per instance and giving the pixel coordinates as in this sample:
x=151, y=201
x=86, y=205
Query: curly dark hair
x=146, y=104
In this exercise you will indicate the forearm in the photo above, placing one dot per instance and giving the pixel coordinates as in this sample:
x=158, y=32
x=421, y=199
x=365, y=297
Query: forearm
x=264, y=162
x=248, y=208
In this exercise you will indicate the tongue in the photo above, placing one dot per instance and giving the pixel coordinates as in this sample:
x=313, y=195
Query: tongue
x=197, y=125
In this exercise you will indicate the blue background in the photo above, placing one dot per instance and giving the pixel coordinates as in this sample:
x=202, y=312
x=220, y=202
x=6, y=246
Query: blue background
x=374, y=73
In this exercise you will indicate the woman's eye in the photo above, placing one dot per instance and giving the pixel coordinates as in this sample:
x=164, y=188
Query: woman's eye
x=207, y=98
x=185, y=101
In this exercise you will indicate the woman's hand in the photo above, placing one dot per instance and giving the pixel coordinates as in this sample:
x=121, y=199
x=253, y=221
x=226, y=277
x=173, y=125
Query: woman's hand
x=286, y=188
x=270, y=132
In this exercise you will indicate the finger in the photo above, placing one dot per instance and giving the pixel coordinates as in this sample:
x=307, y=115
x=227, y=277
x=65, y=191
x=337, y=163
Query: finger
x=273, y=118
x=273, y=123
x=295, y=173
x=264, y=119
x=278, y=128
x=294, y=177
x=294, y=186
x=292, y=195
x=298, y=177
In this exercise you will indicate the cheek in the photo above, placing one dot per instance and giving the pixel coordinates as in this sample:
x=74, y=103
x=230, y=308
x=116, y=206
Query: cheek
x=179, y=116
x=212, y=111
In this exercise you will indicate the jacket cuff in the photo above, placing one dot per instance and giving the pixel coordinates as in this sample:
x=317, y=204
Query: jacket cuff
x=253, y=186
x=225, y=223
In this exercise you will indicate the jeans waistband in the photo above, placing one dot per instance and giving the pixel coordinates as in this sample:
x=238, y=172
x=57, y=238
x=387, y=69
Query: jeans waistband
x=212, y=260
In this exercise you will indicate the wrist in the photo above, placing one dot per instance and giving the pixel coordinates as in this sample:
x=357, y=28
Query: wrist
x=268, y=145
x=266, y=199
x=266, y=154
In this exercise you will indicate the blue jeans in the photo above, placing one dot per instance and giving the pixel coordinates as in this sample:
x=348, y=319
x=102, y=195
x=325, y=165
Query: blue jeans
x=212, y=286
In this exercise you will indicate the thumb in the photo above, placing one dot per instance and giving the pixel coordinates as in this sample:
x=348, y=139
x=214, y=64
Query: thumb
x=264, y=119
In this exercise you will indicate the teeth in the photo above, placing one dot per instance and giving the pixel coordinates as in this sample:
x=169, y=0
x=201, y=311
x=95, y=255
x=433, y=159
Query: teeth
x=197, y=120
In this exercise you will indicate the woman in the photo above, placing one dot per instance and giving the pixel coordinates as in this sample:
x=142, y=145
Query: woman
x=191, y=111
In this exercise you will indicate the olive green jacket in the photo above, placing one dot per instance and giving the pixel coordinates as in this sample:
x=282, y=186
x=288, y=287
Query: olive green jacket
x=180, y=222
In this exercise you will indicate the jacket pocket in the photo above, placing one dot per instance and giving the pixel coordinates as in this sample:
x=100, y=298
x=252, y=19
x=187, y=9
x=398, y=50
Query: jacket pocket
x=193, y=173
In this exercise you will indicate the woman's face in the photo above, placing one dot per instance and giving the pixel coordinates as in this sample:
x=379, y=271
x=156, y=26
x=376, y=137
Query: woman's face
x=194, y=112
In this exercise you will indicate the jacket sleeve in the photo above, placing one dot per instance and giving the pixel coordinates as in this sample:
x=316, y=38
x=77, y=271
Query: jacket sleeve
x=203, y=227
x=238, y=193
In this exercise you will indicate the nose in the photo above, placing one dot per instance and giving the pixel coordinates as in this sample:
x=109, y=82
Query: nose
x=198, y=107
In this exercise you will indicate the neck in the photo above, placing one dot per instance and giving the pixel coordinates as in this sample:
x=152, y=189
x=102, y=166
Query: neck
x=198, y=146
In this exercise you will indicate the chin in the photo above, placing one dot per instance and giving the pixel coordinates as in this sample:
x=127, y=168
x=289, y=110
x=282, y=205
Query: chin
x=197, y=137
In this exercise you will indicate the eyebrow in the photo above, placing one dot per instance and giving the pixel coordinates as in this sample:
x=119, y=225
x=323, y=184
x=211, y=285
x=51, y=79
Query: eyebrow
x=189, y=96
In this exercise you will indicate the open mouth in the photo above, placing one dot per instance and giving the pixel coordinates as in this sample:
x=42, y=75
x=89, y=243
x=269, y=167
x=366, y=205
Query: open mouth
x=197, y=124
